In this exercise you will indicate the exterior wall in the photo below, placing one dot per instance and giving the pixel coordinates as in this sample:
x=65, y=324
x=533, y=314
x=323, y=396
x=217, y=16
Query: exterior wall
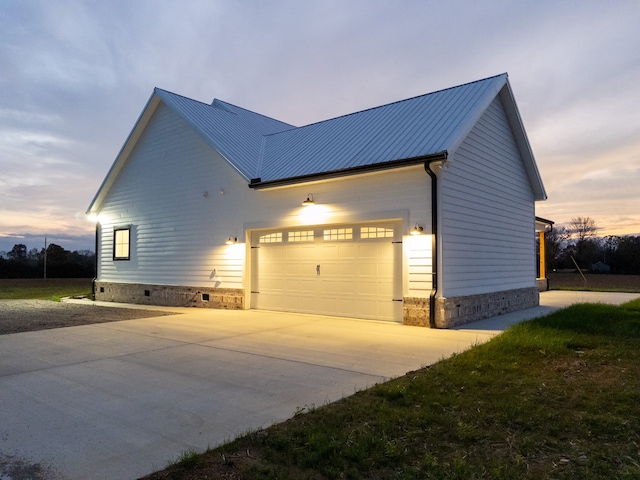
x=487, y=214
x=169, y=295
x=182, y=201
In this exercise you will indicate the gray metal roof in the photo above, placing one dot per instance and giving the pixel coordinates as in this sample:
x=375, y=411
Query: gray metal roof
x=416, y=127
x=266, y=151
x=237, y=134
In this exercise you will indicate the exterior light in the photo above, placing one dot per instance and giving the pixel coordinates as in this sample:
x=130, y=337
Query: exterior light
x=417, y=230
x=231, y=240
x=309, y=201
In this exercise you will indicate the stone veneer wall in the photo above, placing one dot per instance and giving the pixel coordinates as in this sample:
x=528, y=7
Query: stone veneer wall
x=451, y=312
x=415, y=311
x=170, y=295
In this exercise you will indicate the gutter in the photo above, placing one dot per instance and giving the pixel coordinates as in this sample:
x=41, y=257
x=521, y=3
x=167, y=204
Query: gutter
x=257, y=183
x=434, y=238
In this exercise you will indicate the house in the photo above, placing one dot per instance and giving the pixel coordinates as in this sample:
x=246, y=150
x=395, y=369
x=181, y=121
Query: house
x=420, y=211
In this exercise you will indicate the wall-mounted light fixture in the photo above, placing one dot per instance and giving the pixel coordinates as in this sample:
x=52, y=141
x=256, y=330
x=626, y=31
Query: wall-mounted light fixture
x=417, y=230
x=309, y=201
x=231, y=240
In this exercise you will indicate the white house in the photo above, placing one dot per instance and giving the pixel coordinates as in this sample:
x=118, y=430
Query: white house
x=420, y=211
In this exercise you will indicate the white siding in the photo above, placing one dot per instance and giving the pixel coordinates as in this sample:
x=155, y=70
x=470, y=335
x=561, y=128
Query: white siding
x=178, y=234
x=487, y=212
x=417, y=265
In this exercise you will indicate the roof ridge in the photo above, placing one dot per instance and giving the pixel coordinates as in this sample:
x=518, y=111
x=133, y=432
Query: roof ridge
x=225, y=103
x=396, y=102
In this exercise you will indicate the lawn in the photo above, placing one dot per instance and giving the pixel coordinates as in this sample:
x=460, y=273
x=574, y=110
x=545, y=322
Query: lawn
x=556, y=397
x=50, y=289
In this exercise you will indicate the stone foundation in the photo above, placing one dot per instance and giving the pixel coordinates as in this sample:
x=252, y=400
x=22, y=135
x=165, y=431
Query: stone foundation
x=451, y=312
x=543, y=284
x=170, y=295
x=415, y=311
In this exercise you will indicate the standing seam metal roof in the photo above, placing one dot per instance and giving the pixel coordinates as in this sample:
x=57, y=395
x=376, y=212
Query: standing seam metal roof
x=261, y=147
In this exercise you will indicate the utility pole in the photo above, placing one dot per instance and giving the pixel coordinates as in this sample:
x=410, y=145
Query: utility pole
x=45, y=258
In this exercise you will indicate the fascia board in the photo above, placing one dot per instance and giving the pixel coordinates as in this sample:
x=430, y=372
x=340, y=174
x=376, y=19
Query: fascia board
x=517, y=127
x=125, y=151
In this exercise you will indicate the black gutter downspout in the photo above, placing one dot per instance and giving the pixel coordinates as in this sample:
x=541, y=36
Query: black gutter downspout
x=434, y=238
x=95, y=273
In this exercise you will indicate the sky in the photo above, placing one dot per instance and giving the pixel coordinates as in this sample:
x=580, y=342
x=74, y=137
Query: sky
x=75, y=76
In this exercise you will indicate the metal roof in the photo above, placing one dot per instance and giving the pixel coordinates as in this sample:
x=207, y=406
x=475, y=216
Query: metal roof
x=237, y=134
x=415, y=127
x=267, y=152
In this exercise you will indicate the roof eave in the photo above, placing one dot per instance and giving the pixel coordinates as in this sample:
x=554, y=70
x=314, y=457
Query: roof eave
x=128, y=146
x=513, y=114
x=258, y=184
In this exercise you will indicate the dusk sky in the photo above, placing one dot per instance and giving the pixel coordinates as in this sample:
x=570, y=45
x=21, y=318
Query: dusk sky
x=75, y=75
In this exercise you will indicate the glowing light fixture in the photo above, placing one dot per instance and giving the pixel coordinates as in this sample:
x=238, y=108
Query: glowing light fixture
x=417, y=230
x=231, y=240
x=309, y=201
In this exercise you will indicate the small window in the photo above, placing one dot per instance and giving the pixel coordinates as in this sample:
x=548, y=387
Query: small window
x=376, y=232
x=121, y=243
x=338, y=234
x=305, y=236
x=271, y=238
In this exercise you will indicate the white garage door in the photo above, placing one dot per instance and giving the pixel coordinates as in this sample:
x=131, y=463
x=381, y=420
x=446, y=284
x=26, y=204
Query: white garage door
x=349, y=271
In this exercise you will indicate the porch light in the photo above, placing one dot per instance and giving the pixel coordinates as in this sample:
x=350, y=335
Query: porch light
x=309, y=201
x=417, y=230
x=231, y=240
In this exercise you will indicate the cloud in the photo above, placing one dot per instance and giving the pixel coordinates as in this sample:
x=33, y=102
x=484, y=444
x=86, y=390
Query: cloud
x=76, y=75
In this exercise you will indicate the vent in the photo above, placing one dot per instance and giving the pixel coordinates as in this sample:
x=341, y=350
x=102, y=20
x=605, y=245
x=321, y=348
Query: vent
x=205, y=297
x=147, y=293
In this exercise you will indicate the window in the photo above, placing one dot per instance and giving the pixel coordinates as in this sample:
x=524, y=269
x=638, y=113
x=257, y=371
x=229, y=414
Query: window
x=305, y=236
x=376, y=232
x=338, y=234
x=121, y=243
x=271, y=238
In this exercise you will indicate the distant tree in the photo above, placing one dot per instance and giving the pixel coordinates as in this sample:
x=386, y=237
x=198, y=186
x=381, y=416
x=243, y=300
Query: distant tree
x=583, y=227
x=18, y=252
x=555, y=242
x=626, y=257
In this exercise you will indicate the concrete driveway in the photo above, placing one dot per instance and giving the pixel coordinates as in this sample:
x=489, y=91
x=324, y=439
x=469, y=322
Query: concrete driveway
x=120, y=400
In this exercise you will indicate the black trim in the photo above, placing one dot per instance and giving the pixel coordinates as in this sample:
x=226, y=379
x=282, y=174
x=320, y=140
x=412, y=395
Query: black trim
x=120, y=229
x=257, y=183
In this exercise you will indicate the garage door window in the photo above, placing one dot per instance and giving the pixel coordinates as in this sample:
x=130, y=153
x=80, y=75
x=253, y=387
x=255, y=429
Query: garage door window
x=376, y=232
x=275, y=237
x=304, y=236
x=338, y=234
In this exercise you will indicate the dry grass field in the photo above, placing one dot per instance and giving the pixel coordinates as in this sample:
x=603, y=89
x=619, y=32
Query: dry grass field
x=38, y=288
x=594, y=282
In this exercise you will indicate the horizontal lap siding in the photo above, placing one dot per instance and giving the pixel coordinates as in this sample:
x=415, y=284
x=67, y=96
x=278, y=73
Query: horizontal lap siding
x=487, y=213
x=178, y=235
x=160, y=193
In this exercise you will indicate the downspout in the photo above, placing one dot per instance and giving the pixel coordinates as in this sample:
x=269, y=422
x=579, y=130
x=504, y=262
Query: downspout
x=434, y=238
x=95, y=277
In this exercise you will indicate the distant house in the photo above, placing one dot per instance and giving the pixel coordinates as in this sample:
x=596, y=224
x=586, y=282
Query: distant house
x=420, y=211
x=600, y=267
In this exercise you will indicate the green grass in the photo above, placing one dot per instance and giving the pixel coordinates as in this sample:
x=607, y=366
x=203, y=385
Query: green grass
x=557, y=397
x=50, y=289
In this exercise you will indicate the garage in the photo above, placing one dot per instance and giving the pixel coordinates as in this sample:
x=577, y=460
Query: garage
x=345, y=270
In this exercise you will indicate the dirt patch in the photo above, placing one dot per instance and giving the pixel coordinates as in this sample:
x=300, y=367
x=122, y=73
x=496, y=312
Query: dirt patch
x=18, y=316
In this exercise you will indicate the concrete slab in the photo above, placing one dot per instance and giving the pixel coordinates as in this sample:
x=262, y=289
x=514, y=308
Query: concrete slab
x=120, y=400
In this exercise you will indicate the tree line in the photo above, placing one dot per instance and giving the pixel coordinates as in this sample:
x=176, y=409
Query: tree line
x=579, y=246
x=60, y=263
